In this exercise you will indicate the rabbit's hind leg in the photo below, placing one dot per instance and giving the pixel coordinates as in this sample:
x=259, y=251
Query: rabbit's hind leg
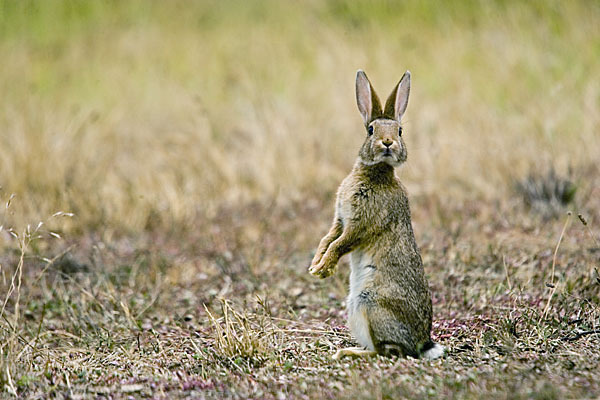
x=390, y=336
x=353, y=351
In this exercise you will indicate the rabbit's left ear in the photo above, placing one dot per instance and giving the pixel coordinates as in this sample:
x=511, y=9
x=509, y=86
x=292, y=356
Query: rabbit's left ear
x=398, y=100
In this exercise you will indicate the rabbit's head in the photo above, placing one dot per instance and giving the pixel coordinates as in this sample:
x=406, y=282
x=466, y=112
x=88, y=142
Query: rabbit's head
x=384, y=130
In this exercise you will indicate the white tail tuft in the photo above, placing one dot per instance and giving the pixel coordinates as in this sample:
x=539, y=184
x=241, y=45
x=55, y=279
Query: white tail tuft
x=435, y=352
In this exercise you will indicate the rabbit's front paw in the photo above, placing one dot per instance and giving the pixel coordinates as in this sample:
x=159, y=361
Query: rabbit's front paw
x=322, y=269
x=316, y=260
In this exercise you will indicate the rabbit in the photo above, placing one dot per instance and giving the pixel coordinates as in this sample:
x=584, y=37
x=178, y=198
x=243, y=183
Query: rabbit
x=389, y=302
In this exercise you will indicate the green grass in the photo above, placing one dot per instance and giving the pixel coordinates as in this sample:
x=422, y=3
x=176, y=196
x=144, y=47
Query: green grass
x=199, y=146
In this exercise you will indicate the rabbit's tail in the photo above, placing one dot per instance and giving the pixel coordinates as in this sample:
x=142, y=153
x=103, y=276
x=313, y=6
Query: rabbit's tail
x=432, y=350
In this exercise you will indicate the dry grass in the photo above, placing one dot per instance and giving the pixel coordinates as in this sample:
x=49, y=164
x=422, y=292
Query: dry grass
x=199, y=147
x=125, y=114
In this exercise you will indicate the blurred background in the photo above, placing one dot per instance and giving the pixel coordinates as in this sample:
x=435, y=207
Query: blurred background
x=145, y=114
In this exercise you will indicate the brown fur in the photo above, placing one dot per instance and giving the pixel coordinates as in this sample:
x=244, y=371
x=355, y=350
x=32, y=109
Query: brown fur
x=389, y=305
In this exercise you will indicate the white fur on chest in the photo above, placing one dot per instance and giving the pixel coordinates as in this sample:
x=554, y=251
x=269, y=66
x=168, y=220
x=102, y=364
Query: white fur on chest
x=360, y=274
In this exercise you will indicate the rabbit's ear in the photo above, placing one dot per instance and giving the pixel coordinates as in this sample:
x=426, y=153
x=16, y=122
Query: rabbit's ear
x=398, y=100
x=366, y=98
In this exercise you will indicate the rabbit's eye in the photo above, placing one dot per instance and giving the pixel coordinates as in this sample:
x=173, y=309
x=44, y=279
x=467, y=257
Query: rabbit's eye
x=400, y=131
x=370, y=130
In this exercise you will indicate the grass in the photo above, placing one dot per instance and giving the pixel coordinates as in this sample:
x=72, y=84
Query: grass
x=151, y=316
x=194, y=150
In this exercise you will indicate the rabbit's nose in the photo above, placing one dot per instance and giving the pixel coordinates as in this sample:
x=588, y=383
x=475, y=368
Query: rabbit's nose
x=387, y=142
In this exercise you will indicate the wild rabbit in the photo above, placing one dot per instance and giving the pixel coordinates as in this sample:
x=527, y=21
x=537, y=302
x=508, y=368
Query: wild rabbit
x=389, y=304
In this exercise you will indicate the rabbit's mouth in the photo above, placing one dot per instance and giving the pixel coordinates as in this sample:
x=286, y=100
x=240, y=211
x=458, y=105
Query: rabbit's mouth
x=390, y=157
x=387, y=154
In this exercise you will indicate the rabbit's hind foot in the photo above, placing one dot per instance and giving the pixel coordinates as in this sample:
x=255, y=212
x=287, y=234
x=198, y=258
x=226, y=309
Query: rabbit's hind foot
x=354, y=352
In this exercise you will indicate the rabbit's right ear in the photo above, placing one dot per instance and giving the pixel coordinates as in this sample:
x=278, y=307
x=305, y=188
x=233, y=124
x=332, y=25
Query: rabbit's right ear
x=398, y=100
x=366, y=98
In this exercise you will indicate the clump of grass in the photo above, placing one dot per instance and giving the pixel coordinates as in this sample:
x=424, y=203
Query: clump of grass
x=548, y=193
x=241, y=334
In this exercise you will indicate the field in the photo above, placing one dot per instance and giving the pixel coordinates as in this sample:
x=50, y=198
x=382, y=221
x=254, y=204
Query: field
x=168, y=168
